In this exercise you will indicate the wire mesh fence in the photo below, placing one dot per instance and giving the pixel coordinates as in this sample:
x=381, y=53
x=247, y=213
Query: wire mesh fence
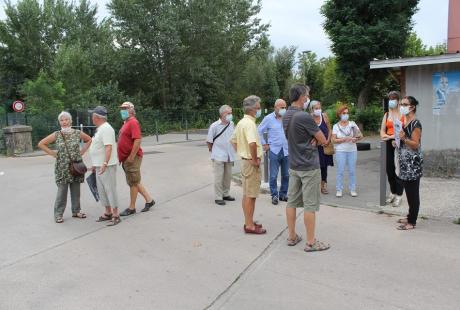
x=153, y=122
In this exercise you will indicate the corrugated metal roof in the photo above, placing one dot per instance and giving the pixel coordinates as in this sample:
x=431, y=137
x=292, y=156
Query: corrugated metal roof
x=414, y=61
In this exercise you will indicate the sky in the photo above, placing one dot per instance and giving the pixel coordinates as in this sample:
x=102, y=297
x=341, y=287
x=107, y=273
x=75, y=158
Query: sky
x=305, y=31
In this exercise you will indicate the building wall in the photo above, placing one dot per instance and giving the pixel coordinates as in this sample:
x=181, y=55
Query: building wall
x=440, y=141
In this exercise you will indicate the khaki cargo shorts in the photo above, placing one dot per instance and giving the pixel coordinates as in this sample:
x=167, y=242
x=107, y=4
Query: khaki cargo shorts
x=251, y=177
x=133, y=171
x=304, y=190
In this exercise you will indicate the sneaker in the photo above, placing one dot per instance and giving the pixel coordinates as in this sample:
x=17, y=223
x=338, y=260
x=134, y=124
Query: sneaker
x=397, y=201
x=390, y=198
x=229, y=198
x=275, y=200
x=220, y=202
x=148, y=205
x=339, y=194
x=353, y=193
x=284, y=198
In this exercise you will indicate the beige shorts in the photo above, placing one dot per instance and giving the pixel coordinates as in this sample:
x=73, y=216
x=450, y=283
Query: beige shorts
x=133, y=171
x=251, y=177
x=304, y=190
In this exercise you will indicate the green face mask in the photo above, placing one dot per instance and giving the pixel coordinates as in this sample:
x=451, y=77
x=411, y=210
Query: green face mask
x=124, y=114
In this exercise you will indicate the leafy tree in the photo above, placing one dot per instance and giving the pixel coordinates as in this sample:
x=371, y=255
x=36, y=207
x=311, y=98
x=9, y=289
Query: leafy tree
x=43, y=95
x=285, y=60
x=363, y=30
x=415, y=47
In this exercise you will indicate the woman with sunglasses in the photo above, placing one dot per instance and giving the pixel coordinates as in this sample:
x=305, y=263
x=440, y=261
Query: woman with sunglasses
x=410, y=160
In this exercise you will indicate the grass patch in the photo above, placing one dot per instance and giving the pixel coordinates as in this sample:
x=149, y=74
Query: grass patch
x=457, y=221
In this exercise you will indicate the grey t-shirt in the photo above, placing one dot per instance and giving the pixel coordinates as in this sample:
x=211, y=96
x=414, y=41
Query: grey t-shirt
x=302, y=155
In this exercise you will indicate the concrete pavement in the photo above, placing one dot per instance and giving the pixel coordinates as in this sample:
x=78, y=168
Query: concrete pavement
x=189, y=253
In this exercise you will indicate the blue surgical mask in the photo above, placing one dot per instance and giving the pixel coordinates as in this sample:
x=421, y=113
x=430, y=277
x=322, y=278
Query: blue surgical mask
x=281, y=112
x=317, y=112
x=229, y=117
x=124, y=114
x=258, y=113
x=392, y=104
x=344, y=117
x=404, y=110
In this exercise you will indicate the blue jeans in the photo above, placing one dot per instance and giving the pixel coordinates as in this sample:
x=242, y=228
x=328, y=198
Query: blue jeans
x=346, y=159
x=275, y=162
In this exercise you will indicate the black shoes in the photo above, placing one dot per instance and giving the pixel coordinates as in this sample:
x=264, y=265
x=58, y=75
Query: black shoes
x=275, y=200
x=127, y=212
x=148, y=205
x=229, y=198
x=220, y=202
x=283, y=198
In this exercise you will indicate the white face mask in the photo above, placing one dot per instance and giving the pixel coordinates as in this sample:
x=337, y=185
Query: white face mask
x=392, y=104
x=66, y=129
x=317, y=112
x=229, y=117
x=344, y=117
x=404, y=110
x=281, y=112
x=306, y=103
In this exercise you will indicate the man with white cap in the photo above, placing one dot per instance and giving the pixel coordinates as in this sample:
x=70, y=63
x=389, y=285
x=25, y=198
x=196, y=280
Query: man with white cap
x=130, y=156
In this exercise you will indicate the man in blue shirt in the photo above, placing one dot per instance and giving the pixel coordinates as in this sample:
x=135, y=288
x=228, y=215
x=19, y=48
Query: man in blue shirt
x=277, y=148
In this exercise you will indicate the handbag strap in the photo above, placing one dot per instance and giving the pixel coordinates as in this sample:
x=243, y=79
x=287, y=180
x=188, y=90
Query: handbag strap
x=221, y=132
x=65, y=144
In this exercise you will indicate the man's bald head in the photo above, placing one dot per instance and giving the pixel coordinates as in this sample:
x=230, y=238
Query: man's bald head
x=280, y=104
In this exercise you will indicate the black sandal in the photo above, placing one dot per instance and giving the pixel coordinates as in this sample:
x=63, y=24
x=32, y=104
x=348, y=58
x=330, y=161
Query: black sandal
x=115, y=221
x=105, y=217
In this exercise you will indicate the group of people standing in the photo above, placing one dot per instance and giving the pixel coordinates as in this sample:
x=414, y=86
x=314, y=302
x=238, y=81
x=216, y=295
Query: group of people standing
x=105, y=154
x=297, y=142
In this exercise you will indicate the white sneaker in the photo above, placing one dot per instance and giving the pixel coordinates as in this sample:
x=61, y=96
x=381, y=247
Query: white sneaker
x=353, y=193
x=397, y=201
x=338, y=194
x=390, y=198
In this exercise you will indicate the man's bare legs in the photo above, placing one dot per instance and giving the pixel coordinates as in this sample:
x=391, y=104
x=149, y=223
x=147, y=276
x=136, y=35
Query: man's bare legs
x=309, y=219
x=291, y=215
x=134, y=190
x=249, y=205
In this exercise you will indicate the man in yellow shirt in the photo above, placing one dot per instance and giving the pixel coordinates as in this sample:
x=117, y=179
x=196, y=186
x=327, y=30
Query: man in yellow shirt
x=245, y=140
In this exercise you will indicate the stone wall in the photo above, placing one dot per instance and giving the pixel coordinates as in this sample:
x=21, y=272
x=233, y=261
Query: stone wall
x=443, y=164
x=18, y=139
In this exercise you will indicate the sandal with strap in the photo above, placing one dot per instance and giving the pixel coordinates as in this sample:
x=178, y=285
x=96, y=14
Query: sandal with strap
x=115, y=221
x=79, y=215
x=257, y=230
x=316, y=246
x=105, y=217
x=59, y=220
x=292, y=242
x=402, y=221
x=406, y=227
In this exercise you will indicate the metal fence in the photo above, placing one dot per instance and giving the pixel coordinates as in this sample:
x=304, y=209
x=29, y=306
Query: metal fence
x=153, y=122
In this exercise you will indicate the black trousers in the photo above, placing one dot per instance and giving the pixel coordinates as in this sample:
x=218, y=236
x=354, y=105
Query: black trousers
x=412, y=189
x=324, y=174
x=396, y=186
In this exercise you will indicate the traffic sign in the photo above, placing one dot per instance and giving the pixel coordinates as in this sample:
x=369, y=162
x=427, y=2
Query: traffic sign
x=18, y=106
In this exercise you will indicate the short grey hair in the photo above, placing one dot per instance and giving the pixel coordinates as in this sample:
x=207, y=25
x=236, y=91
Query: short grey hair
x=224, y=108
x=100, y=116
x=250, y=102
x=311, y=105
x=65, y=114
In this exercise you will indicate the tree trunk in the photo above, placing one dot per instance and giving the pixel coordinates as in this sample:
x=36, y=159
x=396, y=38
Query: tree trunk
x=363, y=98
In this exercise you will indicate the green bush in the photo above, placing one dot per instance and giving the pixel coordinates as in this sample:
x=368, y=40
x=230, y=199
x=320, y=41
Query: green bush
x=370, y=118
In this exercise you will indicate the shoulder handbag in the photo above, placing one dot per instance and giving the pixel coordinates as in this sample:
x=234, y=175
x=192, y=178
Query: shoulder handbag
x=329, y=149
x=77, y=168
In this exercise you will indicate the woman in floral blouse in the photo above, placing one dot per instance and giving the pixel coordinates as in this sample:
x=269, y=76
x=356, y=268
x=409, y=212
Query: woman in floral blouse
x=64, y=180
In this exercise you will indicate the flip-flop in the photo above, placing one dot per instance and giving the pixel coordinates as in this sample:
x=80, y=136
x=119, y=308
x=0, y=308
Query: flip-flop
x=291, y=242
x=402, y=221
